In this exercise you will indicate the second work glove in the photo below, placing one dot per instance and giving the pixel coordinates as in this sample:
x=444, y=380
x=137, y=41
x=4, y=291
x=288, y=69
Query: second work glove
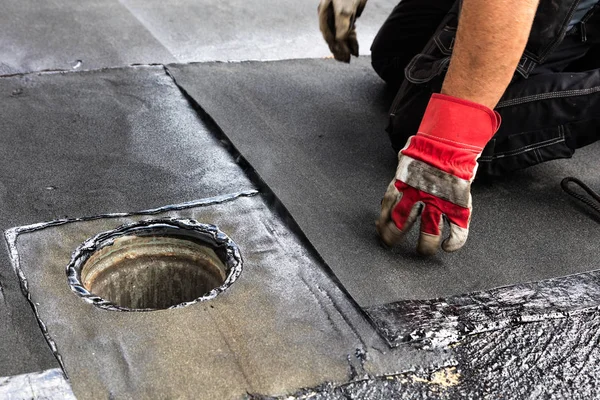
x=434, y=175
x=336, y=21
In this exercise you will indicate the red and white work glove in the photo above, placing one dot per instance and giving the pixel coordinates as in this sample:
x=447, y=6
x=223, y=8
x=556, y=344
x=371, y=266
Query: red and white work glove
x=434, y=175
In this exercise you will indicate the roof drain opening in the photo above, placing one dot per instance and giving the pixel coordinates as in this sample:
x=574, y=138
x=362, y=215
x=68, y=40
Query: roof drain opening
x=154, y=264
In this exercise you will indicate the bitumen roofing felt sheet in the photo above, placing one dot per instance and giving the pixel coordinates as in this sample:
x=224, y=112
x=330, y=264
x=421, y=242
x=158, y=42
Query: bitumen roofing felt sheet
x=82, y=144
x=281, y=326
x=119, y=140
x=87, y=143
x=313, y=130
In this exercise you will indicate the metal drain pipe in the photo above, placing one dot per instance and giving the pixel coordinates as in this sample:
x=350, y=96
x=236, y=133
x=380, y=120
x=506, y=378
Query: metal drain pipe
x=153, y=265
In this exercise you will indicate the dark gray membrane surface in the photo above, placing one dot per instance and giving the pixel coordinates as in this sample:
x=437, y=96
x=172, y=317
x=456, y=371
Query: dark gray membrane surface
x=88, y=143
x=313, y=130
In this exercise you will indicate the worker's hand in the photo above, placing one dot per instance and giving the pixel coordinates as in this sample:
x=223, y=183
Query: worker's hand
x=434, y=175
x=336, y=21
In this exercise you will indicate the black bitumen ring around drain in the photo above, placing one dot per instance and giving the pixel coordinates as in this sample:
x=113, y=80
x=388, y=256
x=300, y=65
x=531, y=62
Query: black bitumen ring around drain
x=227, y=254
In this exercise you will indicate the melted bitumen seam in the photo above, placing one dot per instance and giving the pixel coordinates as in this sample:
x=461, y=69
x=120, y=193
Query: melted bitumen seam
x=436, y=382
x=12, y=234
x=443, y=321
x=356, y=361
x=551, y=359
x=76, y=69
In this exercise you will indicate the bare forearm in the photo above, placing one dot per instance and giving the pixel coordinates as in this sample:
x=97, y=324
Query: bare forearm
x=490, y=41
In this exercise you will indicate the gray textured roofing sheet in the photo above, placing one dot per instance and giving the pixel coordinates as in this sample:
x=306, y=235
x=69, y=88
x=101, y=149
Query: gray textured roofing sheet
x=313, y=130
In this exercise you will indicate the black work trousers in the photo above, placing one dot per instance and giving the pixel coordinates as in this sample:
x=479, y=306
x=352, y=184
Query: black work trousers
x=550, y=108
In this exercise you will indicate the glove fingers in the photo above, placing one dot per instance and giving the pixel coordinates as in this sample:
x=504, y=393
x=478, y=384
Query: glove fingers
x=390, y=199
x=431, y=231
x=456, y=240
x=405, y=214
x=391, y=234
x=340, y=51
x=352, y=43
x=327, y=21
x=345, y=14
x=387, y=231
x=396, y=217
x=336, y=22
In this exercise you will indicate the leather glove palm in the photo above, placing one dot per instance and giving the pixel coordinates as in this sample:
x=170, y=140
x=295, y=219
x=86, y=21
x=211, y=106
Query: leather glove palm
x=434, y=174
x=336, y=21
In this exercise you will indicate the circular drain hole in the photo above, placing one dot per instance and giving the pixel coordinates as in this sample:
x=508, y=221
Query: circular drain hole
x=154, y=264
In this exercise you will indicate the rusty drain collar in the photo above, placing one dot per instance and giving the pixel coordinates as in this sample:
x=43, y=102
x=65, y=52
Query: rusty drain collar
x=155, y=251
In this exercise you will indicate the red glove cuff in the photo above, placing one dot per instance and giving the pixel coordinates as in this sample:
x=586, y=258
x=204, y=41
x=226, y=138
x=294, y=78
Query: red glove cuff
x=459, y=122
x=452, y=135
